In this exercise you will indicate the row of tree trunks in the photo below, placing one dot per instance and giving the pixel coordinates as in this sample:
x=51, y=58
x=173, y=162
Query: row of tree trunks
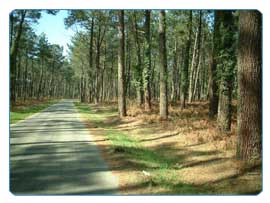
x=13, y=55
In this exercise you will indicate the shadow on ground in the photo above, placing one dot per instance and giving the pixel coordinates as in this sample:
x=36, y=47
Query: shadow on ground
x=168, y=158
x=53, y=153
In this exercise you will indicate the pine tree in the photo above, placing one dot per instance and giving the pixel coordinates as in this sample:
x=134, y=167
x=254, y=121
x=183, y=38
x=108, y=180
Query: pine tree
x=121, y=66
x=163, y=103
x=250, y=86
x=185, y=84
x=226, y=66
x=147, y=64
x=213, y=75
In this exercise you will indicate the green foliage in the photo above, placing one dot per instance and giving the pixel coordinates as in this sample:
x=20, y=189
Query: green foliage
x=77, y=17
x=91, y=68
x=37, y=66
x=226, y=56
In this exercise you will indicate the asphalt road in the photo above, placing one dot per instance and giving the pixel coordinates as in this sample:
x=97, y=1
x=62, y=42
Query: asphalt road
x=53, y=153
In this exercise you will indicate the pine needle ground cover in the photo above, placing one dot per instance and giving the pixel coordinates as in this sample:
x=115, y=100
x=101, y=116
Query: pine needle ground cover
x=184, y=155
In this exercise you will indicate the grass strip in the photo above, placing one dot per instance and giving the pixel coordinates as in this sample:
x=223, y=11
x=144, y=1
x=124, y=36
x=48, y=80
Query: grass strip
x=161, y=168
x=22, y=112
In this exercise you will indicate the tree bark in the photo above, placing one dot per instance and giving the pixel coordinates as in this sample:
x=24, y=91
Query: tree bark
x=97, y=74
x=121, y=66
x=196, y=79
x=128, y=74
x=227, y=64
x=195, y=60
x=250, y=86
x=147, y=65
x=185, y=83
x=90, y=60
x=139, y=68
x=174, y=74
x=192, y=68
x=40, y=81
x=213, y=80
x=100, y=37
x=163, y=103
x=25, y=83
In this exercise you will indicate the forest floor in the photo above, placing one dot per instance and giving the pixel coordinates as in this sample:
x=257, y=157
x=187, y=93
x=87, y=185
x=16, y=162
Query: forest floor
x=184, y=155
x=23, y=109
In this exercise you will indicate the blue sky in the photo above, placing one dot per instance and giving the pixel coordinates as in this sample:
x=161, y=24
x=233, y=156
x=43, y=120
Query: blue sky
x=54, y=28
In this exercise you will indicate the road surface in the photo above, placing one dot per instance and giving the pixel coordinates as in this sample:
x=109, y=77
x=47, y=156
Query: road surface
x=53, y=153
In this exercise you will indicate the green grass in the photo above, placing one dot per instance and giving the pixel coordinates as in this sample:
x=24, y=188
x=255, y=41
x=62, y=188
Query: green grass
x=137, y=152
x=26, y=111
x=162, y=170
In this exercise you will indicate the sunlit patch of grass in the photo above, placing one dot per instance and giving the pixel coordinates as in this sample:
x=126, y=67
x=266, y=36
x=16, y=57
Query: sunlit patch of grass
x=132, y=147
x=22, y=112
x=160, y=166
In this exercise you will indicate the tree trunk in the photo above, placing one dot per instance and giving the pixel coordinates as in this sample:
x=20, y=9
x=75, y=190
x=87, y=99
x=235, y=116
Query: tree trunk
x=18, y=77
x=174, y=74
x=100, y=38
x=185, y=83
x=213, y=80
x=97, y=75
x=81, y=88
x=196, y=79
x=250, y=86
x=51, y=86
x=163, y=103
x=139, y=69
x=102, y=74
x=121, y=66
x=128, y=75
x=31, y=93
x=204, y=81
x=227, y=64
x=90, y=60
x=192, y=69
x=195, y=60
x=25, y=83
x=147, y=65
x=40, y=81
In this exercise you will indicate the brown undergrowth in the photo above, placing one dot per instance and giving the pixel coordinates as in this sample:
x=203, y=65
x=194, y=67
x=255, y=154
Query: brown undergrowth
x=21, y=104
x=201, y=159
